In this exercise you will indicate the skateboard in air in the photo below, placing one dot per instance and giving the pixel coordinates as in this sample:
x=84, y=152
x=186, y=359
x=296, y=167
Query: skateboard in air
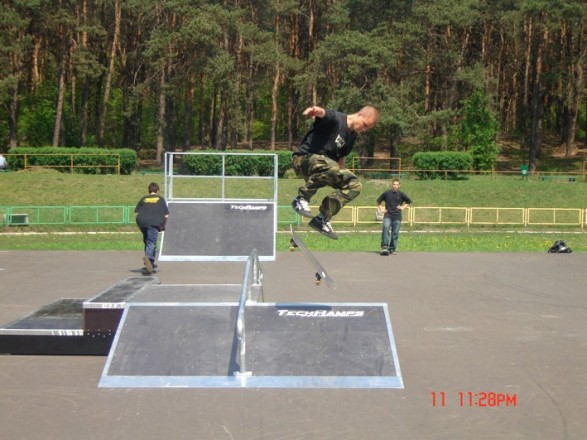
x=295, y=242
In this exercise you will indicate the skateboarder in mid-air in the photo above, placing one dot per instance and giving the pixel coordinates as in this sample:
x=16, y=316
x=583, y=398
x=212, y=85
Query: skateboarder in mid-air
x=320, y=160
x=152, y=214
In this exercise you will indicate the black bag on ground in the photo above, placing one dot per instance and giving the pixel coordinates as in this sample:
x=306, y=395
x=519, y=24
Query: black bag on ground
x=559, y=247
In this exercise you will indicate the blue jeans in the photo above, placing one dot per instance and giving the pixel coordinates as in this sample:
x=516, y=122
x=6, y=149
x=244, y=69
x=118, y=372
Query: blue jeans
x=150, y=234
x=394, y=225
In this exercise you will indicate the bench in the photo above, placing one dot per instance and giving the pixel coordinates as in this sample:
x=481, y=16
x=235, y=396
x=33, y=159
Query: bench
x=17, y=219
x=558, y=178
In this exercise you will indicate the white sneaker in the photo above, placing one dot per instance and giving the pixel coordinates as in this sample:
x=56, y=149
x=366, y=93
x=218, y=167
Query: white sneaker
x=323, y=226
x=301, y=206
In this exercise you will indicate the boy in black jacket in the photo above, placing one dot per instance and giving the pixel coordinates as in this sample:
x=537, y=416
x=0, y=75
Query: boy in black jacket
x=152, y=214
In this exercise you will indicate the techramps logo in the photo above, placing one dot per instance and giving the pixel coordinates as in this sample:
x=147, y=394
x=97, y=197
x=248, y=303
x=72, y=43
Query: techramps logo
x=248, y=207
x=320, y=313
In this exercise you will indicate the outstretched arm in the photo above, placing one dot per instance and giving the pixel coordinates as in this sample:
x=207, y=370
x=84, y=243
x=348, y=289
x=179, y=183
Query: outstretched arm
x=316, y=111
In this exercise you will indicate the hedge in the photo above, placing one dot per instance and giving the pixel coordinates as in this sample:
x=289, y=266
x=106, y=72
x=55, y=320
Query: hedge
x=84, y=160
x=247, y=164
x=430, y=165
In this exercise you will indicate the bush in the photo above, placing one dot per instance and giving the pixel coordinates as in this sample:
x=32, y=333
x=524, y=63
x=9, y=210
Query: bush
x=202, y=164
x=430, y=165
x=78, y=160
x=249, y=164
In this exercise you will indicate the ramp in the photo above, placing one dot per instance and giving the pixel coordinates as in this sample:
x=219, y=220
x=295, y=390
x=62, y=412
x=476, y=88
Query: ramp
x=220, y=208
x=288, y=346
x=72, y=326
x=54, y=329
x=250, y=344
x=219, y=231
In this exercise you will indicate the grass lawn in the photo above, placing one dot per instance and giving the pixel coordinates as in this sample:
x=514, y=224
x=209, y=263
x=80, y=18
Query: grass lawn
x=56, y=189
x=53, y=188
x=410, y=241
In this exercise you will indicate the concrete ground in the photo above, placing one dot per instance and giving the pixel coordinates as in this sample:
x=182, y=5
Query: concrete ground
x=508, y=331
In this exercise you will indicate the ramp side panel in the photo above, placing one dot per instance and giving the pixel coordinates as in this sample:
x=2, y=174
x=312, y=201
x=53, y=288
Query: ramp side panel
x=219, y=231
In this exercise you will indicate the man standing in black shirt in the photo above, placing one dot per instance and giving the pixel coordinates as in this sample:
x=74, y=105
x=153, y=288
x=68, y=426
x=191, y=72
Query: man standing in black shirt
x=152, y=214
x=320, y=161
x=395, y=202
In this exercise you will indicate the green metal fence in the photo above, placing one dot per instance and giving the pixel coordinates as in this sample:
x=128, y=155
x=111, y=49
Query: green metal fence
x=66, y=215
x=350, y=216
x=92, y=215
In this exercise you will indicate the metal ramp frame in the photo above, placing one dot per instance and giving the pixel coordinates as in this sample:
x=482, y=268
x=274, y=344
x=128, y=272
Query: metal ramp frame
x=251, y=344
x=229, y=221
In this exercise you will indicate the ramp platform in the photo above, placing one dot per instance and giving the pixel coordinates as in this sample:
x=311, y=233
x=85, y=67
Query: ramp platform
x=189, y=293
x=72, y=326
x=55, y=328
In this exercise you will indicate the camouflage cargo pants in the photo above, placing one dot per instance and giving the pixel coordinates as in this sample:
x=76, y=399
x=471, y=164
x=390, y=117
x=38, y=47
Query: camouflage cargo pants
x=319, y=171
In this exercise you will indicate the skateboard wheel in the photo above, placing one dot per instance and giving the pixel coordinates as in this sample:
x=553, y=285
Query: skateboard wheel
x=318, y=279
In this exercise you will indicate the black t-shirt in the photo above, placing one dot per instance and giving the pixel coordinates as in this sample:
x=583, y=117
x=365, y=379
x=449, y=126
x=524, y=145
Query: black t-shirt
x=151, y=211
x=329, y=136
x=392, y=200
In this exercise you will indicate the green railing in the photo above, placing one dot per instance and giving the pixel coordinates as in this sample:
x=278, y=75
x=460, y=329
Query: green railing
x=66, y=215
x=350, y=216
x=91, y=215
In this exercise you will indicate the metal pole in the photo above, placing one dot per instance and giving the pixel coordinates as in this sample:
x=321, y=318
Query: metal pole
x=250, y=269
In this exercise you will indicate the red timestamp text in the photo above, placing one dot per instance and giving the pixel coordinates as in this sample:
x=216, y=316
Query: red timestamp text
x=478, y=399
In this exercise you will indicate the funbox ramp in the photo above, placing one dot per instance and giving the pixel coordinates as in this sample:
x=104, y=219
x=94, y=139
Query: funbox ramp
x=288, y=345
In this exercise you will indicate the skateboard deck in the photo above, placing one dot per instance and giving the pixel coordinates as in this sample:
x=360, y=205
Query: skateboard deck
x=321, y=274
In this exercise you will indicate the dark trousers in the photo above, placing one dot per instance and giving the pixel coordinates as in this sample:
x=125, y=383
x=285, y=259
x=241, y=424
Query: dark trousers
x=150, y=234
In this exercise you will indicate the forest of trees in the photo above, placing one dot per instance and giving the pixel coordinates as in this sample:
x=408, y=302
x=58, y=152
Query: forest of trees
x=157, y=75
